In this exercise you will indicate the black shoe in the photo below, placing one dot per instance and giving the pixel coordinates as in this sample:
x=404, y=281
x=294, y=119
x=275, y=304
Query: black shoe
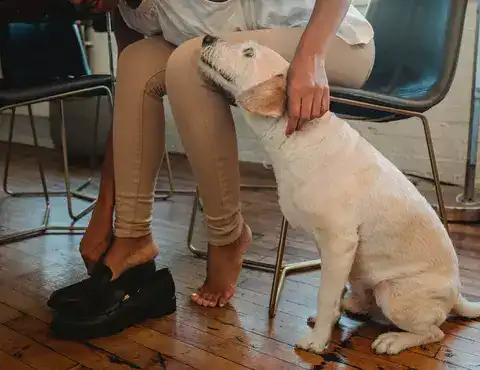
x=69, y=298
x=153, y=300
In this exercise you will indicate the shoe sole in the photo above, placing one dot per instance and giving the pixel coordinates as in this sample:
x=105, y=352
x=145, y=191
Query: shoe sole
x=71, y=331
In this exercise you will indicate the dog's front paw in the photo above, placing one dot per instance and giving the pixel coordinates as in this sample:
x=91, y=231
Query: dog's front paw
x=313, y=342
x=390, y=343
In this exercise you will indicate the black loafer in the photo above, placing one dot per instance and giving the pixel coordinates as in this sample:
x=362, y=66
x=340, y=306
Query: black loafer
x=68, y=299
x=155, y=299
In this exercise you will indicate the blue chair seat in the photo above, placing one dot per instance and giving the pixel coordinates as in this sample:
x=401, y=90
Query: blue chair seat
x=14, y=95
x=363, y=96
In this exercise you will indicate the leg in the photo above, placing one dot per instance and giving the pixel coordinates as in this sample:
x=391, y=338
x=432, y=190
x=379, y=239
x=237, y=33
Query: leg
x=206, y=127
x=338, y=253
x=138, y=144
x=412, y=310
x=98, y=236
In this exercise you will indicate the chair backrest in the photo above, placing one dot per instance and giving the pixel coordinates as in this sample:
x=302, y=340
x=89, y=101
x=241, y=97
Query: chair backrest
x=417, y=46
x=39, y=53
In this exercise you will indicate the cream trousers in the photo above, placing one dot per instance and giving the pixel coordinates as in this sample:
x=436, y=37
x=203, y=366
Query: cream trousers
x=152, y=68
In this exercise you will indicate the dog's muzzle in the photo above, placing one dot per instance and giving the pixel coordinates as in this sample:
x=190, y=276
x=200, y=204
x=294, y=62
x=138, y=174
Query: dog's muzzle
x=209, y=40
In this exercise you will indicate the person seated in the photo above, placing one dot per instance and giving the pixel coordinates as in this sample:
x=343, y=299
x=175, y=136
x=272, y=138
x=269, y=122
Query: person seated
x=327, y=42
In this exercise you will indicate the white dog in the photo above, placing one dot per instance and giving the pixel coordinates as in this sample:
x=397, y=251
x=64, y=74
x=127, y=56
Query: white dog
x=372, y=227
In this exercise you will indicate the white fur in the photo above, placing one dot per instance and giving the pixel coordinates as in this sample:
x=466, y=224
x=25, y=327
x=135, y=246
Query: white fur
x=372, y=227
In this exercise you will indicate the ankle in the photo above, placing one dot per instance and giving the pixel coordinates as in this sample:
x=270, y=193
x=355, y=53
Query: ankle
x=131, y=249
x=126, y=253
x=135, y=241
x=245, y=236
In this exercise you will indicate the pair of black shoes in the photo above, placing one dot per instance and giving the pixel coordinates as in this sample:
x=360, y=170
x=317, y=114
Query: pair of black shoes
x=98, y=307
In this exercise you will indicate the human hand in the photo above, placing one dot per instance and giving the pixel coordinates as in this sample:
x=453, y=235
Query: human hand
x=308, y=93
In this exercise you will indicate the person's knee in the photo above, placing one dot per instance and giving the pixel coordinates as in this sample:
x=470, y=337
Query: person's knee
x=182, y=65
x=143, y=65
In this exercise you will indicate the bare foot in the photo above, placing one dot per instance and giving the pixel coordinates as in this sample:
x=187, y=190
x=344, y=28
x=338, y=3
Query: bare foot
x=223, y=267
x=98, y=236
x=126, y=253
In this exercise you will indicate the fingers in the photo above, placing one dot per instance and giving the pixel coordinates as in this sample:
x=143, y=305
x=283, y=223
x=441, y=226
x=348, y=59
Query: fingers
x=294, y=110
x=307, y=104
x=325, y=101
x=317, y=106
x=302, y=109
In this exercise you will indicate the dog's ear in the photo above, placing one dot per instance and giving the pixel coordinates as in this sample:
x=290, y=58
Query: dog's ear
x=267, y=99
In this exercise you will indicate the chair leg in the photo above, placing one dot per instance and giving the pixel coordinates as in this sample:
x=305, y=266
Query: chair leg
x=165, y=194
x=29, y=233
x=69, y=193
x=279, y=269
x=66, y=173
x=9, y=153
x=436, y=177
x=93, y=156
x=279, y=273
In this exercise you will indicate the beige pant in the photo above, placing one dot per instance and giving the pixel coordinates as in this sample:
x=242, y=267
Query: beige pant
x=150, y=68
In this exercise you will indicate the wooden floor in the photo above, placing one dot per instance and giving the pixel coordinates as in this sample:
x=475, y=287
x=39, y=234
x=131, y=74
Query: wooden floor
x=237, y=337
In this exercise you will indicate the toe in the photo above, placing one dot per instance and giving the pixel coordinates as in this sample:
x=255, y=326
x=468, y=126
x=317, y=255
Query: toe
x=205, y=299
x=211, y=299
x=223, y=301
x=197, y=298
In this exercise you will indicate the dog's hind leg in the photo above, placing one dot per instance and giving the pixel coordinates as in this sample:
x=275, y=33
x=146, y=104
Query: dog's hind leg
x=412, y=311
x=337, y=252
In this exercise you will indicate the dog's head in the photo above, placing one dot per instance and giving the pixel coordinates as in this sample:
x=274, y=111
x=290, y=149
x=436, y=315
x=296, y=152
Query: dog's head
x=253, y=75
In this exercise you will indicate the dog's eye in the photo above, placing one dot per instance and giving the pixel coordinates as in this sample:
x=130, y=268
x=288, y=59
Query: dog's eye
x=249, y=52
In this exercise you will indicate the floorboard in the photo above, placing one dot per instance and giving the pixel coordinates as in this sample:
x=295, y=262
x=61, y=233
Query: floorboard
x=240, y=336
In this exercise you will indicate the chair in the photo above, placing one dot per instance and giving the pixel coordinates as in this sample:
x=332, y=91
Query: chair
x=417, y=47
x=45, y=61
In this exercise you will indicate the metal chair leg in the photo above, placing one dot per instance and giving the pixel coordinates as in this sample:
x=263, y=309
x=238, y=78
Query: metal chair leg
x=46, y=227
x=75, y=192
x=279, y=269
x=436, y=177
x=428, y=137
x=28, y=233
x=43, y=228
x=66, y=173
x=165, y=194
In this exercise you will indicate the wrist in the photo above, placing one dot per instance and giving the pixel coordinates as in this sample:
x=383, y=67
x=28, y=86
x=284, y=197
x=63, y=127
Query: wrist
x=311, y=46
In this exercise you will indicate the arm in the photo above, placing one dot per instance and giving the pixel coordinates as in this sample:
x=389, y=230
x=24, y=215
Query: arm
x=124, y=34
x=324, y=22
x=307, y=89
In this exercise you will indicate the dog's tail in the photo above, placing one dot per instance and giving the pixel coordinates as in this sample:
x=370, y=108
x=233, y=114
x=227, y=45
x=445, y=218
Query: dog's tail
x=467, y=309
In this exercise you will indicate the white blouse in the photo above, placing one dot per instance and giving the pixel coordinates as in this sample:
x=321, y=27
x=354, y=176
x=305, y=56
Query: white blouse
x=180, y=20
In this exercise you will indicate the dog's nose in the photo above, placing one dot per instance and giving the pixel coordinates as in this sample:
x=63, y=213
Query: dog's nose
x=209, y=40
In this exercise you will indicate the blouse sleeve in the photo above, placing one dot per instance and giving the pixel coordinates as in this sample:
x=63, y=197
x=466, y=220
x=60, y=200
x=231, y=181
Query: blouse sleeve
x=143, y=19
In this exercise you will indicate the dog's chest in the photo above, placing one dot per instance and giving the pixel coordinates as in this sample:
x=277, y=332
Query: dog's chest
x=293, y=196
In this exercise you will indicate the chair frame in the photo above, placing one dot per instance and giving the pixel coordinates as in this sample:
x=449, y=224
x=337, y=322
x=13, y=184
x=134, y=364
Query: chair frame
x=69, y=193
